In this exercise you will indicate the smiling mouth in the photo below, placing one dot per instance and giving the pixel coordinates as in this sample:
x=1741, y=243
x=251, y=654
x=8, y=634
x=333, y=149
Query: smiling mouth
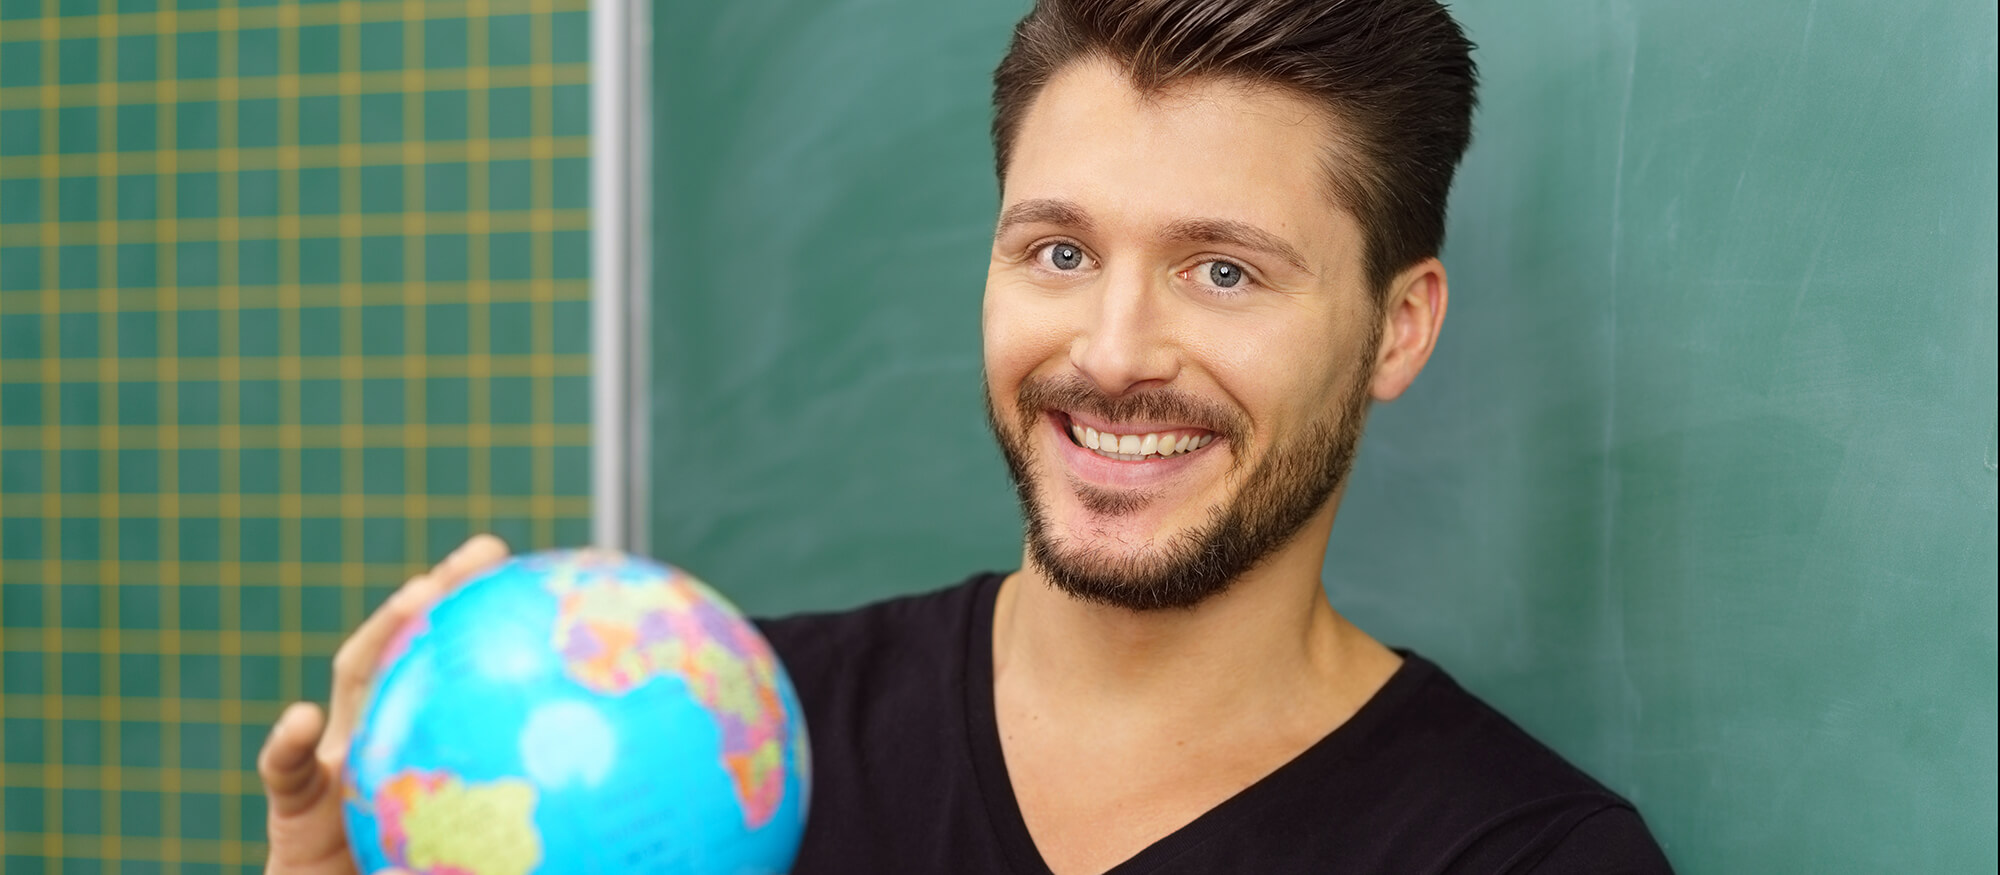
x=1139, y=447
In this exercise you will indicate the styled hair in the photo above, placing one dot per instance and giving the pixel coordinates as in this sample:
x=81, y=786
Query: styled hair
x=1394, y=77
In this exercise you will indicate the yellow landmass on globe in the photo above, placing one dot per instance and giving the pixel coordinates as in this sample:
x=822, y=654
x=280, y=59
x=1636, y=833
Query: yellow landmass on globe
x=480, y=829
x=733, y=686
x=759, y=771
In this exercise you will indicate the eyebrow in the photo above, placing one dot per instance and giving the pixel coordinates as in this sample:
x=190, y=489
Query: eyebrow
x=1054, y=211
x=1236, y=233
x=1043, y=211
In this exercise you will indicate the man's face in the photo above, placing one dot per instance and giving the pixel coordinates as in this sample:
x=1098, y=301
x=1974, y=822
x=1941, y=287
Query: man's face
x=1168, y=270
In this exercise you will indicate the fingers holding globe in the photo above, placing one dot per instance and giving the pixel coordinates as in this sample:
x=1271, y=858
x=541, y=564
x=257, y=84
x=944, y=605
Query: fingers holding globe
x=578, y=711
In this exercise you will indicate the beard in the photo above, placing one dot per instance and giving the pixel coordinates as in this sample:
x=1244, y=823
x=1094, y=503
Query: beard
x=1278, y=494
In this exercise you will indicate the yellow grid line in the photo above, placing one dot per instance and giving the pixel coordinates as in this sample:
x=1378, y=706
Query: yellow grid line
x=169, y=439
x=311, y=368
x=416, y=225
x=262, y=157
x=480, y=363
x=192, y=20
x=111, y=512
x=352, y=578
x=320, y=226
x=541, y=57
x=141, y=778
x=197, y=642
x=230, y=580
x=226, y=852
x=329, y=295
x=52, y=509
x=137, y=506
x=293, y=436
x=146, y=369
x=291, y=592
x=154, y=708
x=261, y=87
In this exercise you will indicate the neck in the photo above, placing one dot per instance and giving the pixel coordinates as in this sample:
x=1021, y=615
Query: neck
x=1271, y=641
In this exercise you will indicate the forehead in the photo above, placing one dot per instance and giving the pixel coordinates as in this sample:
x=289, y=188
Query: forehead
x=1209, y=149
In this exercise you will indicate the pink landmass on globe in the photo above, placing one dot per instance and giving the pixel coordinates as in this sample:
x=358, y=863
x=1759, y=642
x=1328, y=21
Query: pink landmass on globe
x=393, y=804
x=399, y=643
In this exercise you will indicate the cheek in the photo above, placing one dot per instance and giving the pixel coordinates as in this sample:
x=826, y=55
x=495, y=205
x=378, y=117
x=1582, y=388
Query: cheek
x=1286, y=372
x=1018, y=335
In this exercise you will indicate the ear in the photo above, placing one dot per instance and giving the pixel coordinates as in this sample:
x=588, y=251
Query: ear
x=1412, y=314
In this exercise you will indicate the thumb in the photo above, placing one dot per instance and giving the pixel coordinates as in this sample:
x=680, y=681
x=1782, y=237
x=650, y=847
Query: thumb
x=292, y=775
x=304, y=826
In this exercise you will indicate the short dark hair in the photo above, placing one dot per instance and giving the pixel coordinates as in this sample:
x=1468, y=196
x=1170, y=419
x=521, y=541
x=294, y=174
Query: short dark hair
x=1395, y=76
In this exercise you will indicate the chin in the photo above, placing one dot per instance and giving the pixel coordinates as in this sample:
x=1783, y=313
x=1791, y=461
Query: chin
x=1129, y=560
x=1168, y=572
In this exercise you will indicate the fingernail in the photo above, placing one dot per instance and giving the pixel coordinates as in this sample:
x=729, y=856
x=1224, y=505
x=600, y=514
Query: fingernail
x=467, y=548
x=288, y=716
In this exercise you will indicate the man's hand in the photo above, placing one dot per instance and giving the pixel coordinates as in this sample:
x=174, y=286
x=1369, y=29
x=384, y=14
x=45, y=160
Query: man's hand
x=302, y=759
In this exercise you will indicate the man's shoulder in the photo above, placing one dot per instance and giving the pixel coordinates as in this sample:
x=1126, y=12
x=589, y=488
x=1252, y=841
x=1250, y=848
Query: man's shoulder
x=880, y=687
x=856, y=646
x=1452, y=742
x=1511, y=801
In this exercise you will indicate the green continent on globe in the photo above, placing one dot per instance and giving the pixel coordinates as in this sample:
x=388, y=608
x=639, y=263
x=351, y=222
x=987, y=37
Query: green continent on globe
x=617, y=630
x=434, y=823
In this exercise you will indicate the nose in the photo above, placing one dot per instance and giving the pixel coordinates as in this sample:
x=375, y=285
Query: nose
x=1124, y=344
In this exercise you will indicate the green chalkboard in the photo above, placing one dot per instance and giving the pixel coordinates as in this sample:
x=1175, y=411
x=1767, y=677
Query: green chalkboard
x=1700, y=486
x=824, y=203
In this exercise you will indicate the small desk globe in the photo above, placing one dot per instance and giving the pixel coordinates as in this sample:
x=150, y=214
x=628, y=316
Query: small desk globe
x=579, y=711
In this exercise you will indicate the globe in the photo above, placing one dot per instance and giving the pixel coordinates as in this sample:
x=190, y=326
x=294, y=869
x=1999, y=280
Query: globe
x=578, y=711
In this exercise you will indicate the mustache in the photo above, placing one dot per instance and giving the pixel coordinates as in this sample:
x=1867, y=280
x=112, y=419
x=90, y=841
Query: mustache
x=1073, y=393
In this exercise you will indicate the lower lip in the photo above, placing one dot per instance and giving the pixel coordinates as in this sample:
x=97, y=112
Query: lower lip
x=1100, y=471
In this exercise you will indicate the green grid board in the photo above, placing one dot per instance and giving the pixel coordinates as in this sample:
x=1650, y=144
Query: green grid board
x=292, y=299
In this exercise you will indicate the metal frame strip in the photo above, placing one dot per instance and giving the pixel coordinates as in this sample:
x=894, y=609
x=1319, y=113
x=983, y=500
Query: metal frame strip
x=620, y=271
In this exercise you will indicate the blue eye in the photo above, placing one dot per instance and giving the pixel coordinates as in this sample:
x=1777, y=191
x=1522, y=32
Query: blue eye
x=1220, y=276
x=1063, y=256
x=1224, y=275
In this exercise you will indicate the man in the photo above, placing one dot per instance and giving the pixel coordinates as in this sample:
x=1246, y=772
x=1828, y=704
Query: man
x=1217, y=245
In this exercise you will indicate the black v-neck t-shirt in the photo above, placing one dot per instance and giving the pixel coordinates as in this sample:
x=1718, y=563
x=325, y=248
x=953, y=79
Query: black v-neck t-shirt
x=908, y=774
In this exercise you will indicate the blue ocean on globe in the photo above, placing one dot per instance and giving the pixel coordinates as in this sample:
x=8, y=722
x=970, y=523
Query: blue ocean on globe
x=579, y=711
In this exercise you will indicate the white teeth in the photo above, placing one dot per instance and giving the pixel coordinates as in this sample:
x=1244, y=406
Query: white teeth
x=1133, y=447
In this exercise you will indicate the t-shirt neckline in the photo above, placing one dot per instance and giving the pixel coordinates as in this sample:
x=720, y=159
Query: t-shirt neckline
x=1314, y=764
